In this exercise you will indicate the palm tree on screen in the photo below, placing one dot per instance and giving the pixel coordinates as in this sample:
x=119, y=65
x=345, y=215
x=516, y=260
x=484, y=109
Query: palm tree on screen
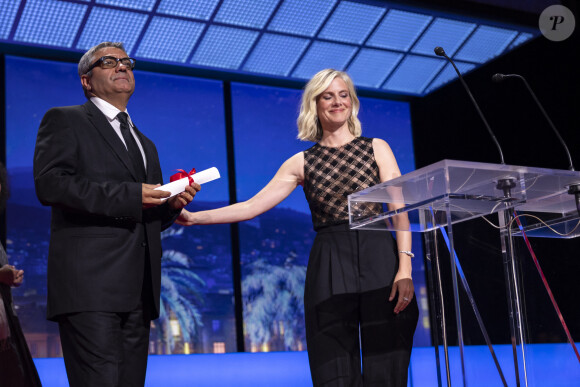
x=181, y=297
x=274, y=305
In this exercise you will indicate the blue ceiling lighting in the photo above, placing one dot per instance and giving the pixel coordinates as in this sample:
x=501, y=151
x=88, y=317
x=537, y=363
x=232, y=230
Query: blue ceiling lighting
x=486, y=43
x=275, y=54
x=200, y=9
x=224, y=47
x=414, y=74
x=522, y=38
x=386, y=46
x=8, y=9
x=448, y=73
x=399, y=30
x=449, y=34
x=143, y=5
x=323, y=55
x=351, y=22
x=301, y=17
x=49, y=22
x=112, y=25
x=371, y=67
x=248, y=13
x=160, y=43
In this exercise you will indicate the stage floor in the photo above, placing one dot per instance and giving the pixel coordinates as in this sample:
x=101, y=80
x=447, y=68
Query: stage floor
x=553, y=365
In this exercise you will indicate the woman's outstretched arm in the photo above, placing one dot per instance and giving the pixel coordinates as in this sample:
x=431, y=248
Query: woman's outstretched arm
x=288, y=177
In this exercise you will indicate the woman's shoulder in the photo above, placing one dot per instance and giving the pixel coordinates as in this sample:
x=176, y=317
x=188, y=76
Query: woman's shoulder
x=379, y=143
x=295, y=162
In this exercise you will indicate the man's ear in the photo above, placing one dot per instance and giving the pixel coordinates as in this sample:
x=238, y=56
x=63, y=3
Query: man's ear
x=86, y=82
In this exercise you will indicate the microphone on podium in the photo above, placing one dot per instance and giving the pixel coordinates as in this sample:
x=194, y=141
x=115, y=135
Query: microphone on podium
x=502, y=77
x=439, y=51
x=573, y=189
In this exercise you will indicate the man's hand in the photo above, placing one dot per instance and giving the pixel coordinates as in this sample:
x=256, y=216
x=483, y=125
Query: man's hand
x=152, y=197
x=179, y=201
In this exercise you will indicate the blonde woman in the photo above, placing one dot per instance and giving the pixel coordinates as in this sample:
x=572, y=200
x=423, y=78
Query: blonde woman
x=354, y=279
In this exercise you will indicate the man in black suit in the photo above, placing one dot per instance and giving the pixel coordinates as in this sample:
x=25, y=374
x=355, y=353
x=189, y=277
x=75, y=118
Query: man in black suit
x=98, y=173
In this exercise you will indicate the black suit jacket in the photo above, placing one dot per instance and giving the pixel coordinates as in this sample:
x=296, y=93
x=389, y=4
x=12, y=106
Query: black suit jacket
x=100, y=235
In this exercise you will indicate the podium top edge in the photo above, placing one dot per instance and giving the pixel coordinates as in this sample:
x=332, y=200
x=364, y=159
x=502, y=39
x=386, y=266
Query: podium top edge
x=452, y=170
x=498, y=167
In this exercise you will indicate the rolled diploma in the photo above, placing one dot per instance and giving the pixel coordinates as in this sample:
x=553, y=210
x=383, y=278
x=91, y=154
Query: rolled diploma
x=178, y=186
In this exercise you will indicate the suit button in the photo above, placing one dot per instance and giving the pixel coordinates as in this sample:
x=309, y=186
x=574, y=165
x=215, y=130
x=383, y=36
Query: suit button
x=143, y=244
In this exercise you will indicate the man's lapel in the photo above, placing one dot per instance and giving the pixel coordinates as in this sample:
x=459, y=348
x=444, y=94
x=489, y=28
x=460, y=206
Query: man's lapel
x=150, y=155
x=100, y=122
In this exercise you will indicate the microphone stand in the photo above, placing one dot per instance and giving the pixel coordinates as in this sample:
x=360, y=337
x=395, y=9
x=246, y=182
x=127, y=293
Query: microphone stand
x=501, y=77
x=503, y=184
x=573, y=189
x=439, y=51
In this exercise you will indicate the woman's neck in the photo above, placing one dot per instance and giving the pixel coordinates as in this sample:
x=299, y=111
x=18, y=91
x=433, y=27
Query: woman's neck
x=336, y=138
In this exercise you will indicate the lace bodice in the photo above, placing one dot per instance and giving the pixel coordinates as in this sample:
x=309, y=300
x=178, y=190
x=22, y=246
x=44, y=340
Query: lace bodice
x=331, y=174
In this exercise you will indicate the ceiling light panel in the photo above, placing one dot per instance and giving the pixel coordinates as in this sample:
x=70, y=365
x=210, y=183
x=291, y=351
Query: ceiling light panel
x=169, y=39
x=224, y=47
x=371, y=67
x=446, y=33
x=522, y=38
x=50, y=22
x=449, y=74
x=111, y=25
x=486, y=43
x=414, y=74
x=322, y=55
x=351, y=22
x=301, y=17
x=399, y=30
x=8, y=9
x=247, y=13
x=275, y=54
x=143, y=5
x=199, y=9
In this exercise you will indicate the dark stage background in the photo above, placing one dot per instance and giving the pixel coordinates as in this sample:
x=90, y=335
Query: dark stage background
x=446, y=126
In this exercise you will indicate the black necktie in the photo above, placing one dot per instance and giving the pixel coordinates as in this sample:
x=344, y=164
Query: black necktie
x=132, y=148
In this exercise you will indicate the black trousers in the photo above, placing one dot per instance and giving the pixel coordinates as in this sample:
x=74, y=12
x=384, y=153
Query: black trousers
x=385, y=341
x=106, y=349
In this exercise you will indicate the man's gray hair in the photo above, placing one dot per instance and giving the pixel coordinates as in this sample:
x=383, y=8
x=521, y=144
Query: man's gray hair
x=88, y=58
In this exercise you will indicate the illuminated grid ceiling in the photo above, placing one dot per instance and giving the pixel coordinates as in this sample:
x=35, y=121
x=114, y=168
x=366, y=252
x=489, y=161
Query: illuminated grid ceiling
x=385, y=47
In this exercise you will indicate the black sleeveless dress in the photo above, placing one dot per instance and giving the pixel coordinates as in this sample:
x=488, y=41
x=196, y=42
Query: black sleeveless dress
x=349, y=278
x=343, y=260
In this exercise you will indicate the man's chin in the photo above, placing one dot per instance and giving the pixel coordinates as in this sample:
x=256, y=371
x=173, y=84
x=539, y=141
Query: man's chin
x=127, y=90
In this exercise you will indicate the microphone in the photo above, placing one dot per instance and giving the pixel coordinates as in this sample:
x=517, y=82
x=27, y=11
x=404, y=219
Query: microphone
x=439, y=51
x=502, y=77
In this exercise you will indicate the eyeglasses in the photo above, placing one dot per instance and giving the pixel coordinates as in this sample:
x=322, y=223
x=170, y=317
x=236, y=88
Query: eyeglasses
x=110, y=62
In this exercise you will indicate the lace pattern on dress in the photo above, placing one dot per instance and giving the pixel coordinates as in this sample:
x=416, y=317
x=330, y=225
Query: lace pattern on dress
x=331, y=174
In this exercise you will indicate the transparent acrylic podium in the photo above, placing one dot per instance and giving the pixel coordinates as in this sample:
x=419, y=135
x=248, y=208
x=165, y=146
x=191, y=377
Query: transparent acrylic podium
x=439, y=196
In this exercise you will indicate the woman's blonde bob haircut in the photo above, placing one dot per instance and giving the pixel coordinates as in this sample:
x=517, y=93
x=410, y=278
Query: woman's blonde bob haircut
x=309, y=128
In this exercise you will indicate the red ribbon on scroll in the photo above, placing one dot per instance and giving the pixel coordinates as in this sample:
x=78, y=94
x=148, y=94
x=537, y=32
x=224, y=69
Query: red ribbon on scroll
x=181, y=174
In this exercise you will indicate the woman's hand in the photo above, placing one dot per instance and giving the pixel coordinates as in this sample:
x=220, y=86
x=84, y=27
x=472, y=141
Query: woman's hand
x=185, y=218
x=404, y=287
